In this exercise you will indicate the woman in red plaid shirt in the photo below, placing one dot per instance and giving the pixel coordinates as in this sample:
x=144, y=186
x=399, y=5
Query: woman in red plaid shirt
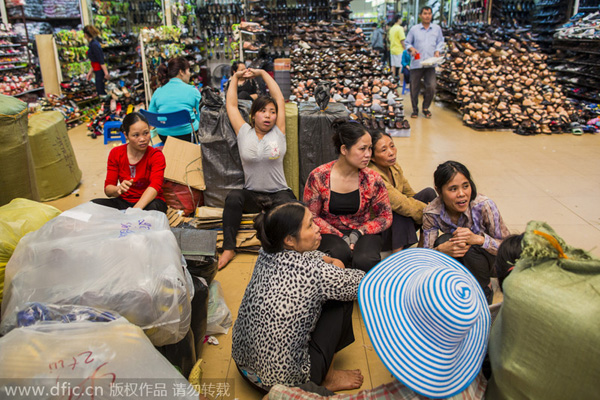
x=349, y=201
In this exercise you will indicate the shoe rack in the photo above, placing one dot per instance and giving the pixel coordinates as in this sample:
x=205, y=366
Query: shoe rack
x=18, y=75
x=472, y=11
x=512, y=13
x=547, y=16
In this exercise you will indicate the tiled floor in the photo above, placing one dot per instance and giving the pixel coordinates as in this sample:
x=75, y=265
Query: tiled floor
x=551, y=178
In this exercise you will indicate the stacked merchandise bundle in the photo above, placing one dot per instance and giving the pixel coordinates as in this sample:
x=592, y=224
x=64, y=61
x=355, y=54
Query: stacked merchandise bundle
x=340, y=55
x=501, y=80
x=29, y=9
x=61, y=8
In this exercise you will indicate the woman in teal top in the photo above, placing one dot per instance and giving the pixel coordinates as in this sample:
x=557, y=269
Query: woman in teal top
x=176, y=94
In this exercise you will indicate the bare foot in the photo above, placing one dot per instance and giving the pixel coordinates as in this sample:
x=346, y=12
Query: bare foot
x=225, y=258
x=337, y=380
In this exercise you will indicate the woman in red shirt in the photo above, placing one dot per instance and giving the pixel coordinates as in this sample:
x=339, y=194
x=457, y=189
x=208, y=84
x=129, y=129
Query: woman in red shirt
x=349, y=202
x=135, y=171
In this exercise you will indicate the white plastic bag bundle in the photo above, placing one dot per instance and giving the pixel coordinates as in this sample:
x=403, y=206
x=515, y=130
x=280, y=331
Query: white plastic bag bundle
x=100, y=257
x=87, y=360
x=219, y=316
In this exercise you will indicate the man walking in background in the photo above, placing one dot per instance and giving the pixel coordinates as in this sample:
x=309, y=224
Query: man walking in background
x=424, y=40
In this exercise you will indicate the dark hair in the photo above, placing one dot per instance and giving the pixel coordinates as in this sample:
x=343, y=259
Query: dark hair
x=131, y=119
x=425, y=8
x=390, y=23
x=377, y=135
x=397, y=18
x=91, y=31
x=235, y=65
x=346, y=132
x=508, y=253
x=274, y=225
x=172, y=69
x=260, y=103
x=446, y=171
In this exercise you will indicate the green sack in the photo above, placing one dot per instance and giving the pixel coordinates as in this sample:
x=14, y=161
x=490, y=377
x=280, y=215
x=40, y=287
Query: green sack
x=545, y=343
x=291, y=160
x=56, y=169
x=17, y=176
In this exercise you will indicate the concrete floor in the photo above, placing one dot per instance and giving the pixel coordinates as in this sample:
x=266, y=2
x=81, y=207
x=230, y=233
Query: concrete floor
x=550, y=178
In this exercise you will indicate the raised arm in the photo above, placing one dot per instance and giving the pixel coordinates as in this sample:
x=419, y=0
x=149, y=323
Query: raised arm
x=235, y=117
x=275, y=94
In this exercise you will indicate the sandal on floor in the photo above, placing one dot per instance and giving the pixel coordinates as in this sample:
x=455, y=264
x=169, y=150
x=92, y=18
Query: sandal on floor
x=427, y=113
x=415, y=114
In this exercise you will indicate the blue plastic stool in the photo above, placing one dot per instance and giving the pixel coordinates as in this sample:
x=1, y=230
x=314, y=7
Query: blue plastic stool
x=109, y=135
x=404, y=88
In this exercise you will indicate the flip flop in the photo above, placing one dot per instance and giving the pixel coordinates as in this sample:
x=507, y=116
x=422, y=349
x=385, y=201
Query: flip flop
x=427, y=114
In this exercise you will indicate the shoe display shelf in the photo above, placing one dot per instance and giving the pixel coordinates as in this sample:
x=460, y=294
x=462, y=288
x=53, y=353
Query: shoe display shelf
x=144, y=14
x=501, y=80
x=17, y=71
x=157, y=46
x=215, y=23
x=513, y=13
x=547, y=16
x=336, y=58
x=472, y=11
x=577, y=65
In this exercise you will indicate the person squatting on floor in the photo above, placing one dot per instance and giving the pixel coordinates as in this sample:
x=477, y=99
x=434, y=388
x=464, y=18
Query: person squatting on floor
x=471, y=223
x=296, y=312
x=348, y=200
x=262, y=147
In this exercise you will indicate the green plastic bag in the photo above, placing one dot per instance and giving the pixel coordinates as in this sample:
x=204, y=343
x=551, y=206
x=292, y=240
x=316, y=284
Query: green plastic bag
x=18, y=218
x=545, y=343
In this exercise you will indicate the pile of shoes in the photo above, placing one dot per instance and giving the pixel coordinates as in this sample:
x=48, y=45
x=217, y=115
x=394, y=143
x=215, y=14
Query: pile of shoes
x=338, y=53
x=501, y=80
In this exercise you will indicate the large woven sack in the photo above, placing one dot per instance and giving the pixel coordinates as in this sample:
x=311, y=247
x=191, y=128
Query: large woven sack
x=291, y=161
x=545, y=343
x=56, y=169
x=17, y=176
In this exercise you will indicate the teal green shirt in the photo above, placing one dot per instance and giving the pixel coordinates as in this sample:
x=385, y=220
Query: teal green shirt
x=176, y=95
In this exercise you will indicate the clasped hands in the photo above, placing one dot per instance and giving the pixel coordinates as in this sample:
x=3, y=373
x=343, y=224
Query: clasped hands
x=461, y=241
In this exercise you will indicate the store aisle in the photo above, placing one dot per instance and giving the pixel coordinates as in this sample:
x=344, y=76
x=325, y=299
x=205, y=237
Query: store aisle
x=551, y=178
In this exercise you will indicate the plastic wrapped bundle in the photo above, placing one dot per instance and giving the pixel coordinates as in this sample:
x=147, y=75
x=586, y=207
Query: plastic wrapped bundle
x=314, y=136
x=18, y=218
x=70, y=360
x=100, y=257
x=220, y=156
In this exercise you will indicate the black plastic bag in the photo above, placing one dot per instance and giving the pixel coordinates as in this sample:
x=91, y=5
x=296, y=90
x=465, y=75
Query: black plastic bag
x=314, y=136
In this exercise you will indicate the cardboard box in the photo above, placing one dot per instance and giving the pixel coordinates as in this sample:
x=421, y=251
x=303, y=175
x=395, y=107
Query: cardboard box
x=184, y=163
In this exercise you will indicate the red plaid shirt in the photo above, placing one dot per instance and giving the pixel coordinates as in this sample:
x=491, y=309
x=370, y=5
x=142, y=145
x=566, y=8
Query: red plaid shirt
x=373, y=216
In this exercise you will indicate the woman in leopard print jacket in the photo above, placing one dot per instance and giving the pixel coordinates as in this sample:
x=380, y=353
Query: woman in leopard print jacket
x=297, y=309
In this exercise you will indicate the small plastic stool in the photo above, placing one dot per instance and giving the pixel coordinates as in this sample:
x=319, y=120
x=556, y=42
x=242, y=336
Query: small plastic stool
x=109, y=135
x=404, y=88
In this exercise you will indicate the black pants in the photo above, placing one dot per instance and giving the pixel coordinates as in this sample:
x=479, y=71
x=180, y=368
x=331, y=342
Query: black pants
x=366, y=252
x=187, y=138
x=332, y=333
x=239, y=201
x=120, y=204
x=428, y=76
x=99, y=81
x=406, y=73
x=403, y=232
x=478, y=261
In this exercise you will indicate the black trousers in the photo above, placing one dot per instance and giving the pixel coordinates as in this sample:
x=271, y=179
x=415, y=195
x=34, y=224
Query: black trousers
x=99, y=82
x=403, y=232
x=120, y=204
x=366, y=252
x=187, y=138
x=428, y=77
x=240, y=201
x=332, y=333
x=478, y=261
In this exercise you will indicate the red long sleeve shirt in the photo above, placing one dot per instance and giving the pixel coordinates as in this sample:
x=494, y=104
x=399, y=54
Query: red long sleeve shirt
x=149, y=171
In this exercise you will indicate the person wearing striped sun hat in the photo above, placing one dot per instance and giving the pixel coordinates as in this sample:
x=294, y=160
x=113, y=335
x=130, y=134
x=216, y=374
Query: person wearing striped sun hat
x=429, y=323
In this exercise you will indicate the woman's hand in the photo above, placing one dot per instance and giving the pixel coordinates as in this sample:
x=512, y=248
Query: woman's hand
x=89, y=76
x=243, y=75
x=454, y=249
x=124, y=187
x=464, y=235
x=334, y=261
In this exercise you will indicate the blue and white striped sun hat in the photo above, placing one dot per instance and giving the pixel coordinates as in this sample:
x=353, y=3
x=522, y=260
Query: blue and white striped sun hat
x=428, y=320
